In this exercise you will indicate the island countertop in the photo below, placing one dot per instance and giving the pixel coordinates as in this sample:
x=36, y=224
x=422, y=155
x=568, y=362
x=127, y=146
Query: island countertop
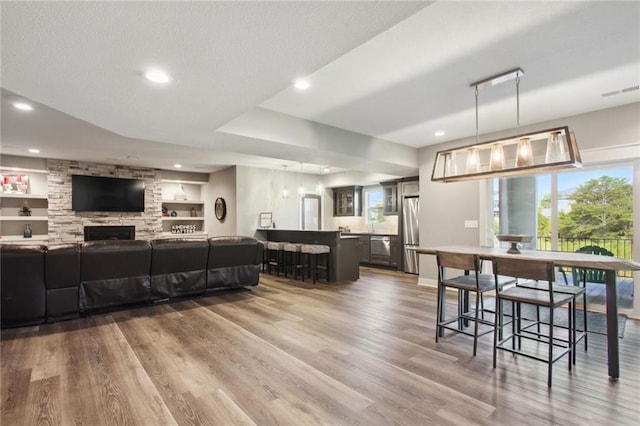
x=344, y=257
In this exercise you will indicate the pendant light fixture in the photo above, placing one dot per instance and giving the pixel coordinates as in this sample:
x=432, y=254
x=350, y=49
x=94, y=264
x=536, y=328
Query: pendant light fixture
x=522, y=154
x=301, y=187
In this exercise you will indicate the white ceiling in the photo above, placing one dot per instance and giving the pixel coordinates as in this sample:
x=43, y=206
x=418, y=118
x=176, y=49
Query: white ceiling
x=383, y=75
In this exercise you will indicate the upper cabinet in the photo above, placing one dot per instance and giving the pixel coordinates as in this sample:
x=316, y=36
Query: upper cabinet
x=390, y=197
x=347, y=201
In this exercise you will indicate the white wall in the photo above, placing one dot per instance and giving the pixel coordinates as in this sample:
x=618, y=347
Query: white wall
x=260, y=190
x=445, y=206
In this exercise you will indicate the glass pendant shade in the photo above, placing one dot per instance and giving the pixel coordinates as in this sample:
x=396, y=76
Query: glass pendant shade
x=524, y=154
x=529, y=153
x=319, y=189
x=451, y=167
x=285, y=192
x=497, y=158
x=301, y=190
x=555, y=148
x=473, y=161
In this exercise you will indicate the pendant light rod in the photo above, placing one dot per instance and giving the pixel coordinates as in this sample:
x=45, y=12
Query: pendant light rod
x=517, y=105
x=498, y=78
x=477, y=133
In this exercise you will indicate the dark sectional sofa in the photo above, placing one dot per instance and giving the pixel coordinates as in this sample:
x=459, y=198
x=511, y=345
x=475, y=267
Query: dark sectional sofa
x=61, y=281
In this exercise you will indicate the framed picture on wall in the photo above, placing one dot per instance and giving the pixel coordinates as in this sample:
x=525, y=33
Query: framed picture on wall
x=266, y=220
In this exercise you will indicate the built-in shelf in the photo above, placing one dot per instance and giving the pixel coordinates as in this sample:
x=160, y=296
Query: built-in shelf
x=24, y=218
x=182, y=218
x=198, y=203
x=186, y=182
x=21, y=239
x=26, y=196
x=193, y=235
x=22, y=170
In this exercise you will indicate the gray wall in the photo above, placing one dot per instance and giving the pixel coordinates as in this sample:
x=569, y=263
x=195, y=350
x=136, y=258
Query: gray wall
x=221, y=184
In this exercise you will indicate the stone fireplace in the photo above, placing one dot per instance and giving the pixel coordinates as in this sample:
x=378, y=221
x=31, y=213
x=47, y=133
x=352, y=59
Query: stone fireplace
x=93, y=233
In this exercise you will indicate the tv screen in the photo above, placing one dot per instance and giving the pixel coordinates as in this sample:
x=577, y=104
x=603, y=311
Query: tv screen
x=105, y=194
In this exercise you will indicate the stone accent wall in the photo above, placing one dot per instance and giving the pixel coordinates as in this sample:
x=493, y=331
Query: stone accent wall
x=66, y=225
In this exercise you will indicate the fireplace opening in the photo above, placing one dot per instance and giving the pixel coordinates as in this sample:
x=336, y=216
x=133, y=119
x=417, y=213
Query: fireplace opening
x=94, y=233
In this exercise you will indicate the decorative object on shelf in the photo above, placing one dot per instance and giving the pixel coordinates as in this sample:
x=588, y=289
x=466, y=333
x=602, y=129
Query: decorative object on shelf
x=193, y=212
x=183, y=229
x=27, y=231
x=514, y=239
x=174, y=213
x=220, y=209
x=18, y=184
x=25, y=210
x=165, y=211
x=521, y=154
x=266, y=219
x=180, y=195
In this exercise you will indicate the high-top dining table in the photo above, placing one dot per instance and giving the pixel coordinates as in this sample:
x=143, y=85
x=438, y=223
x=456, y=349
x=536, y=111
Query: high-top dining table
x=580, y=260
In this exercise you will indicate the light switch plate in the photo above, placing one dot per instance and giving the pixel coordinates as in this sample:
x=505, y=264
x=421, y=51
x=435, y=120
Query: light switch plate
x=470, y=223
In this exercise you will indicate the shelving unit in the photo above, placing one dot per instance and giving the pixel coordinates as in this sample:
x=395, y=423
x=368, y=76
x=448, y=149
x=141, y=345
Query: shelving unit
x=183, y=209
x=12, y=224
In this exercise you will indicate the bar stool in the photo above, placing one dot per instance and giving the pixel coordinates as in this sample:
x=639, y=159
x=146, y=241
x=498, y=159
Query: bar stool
x=276, y=255
x=544, y=272
x=313, y=252
x=292, y=250
x=471, y=282
x=265, y=254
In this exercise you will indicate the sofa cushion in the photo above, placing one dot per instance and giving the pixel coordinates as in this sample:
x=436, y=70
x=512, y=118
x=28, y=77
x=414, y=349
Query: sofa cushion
x=22, y=284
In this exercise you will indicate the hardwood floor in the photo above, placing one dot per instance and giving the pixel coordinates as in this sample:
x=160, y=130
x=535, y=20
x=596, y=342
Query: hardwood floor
x=289, y=353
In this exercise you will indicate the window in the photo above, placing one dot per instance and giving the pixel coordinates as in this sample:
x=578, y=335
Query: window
x=373, y=206
x=569, y=210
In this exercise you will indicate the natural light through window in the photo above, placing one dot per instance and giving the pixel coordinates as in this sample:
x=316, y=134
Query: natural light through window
x=373, y=205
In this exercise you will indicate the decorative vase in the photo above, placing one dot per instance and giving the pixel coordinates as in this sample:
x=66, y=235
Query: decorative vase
x=180, y=195
x=27, y=231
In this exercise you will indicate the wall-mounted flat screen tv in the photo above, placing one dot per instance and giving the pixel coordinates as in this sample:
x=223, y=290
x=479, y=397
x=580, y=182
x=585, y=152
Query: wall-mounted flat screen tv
x=106, y=194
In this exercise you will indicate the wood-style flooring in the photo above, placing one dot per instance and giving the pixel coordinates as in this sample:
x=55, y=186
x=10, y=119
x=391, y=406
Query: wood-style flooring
x=288, y=353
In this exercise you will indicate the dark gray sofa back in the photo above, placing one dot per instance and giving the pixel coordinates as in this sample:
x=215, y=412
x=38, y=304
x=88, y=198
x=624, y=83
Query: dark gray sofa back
x=178, y=267
x=22, y=287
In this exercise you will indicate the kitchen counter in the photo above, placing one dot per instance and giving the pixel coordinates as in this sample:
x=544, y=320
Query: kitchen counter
x=381, y=234
x=344, y=257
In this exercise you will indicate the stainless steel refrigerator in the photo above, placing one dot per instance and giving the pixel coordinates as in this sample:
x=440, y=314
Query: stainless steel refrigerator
x=410, y=232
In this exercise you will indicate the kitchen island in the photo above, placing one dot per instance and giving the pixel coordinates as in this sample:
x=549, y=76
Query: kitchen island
x=345, y=250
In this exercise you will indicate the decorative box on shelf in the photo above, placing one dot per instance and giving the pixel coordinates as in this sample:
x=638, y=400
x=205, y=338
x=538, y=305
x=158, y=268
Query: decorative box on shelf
x=183, y=229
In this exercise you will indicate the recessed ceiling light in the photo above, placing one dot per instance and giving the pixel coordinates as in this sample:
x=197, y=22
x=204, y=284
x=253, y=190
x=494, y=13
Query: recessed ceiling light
x=439, y=133
x=34, y=150
x=157, y=76
x=301, y=84
x=327, y=169
x=177, y=166
x=23, y=106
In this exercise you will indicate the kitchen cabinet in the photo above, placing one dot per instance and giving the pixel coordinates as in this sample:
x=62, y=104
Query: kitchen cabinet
x=390, y=198
x=364, y=248
x=394, y=252
x=379, y=250
x=347, y=201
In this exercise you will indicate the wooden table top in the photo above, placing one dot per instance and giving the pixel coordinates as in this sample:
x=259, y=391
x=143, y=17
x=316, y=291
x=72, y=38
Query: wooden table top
x=560, y=258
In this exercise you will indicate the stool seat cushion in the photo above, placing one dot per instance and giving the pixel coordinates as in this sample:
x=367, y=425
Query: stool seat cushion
x=292, y=247
x=315, y=249
x=275, y=245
